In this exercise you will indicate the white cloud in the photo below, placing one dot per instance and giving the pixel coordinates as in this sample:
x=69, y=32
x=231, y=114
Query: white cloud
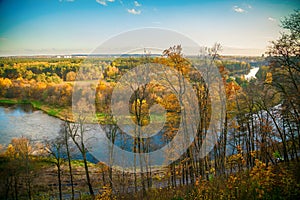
x=137, y=4
x=102, y=2
x=271, y=19
x=249, y=6
x=238, y=9
x=134, y=11
x=66, y=0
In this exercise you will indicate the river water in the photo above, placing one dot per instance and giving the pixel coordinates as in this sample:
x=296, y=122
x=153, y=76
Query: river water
x=252, y=73
x=23, y=120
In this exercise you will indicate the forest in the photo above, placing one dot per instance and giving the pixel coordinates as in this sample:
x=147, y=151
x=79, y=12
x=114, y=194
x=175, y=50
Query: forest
x=255, y=156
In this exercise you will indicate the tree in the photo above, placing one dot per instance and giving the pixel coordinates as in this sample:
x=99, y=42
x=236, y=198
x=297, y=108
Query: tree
x=65, y=130
x=56, y=150
x=284, y=57
x=5, y=84
x=20, y=165
x=71, y=76
x=77, y=133
x=111, y=132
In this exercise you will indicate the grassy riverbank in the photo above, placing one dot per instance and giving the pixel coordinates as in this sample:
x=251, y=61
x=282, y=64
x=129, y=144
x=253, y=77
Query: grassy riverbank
x=64, y=113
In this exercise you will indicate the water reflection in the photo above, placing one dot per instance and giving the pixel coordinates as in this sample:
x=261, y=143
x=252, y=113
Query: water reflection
x=23, y=120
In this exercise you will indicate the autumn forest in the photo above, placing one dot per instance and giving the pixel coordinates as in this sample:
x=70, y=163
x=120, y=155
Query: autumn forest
x=256, y=154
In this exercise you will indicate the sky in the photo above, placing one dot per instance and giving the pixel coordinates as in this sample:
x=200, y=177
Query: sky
x=30, y=27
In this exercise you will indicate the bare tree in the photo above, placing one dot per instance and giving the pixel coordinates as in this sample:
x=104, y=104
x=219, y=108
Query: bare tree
x=65, y=130
x=111, y=133
x=77, y=133
x=284, y=57
x=55, y=148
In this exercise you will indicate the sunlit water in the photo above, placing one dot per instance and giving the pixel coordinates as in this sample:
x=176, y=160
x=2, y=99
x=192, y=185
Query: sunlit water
x=252, y=73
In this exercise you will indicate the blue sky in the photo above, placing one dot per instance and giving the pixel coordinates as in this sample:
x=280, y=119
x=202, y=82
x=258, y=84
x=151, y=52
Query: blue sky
x=78, y=26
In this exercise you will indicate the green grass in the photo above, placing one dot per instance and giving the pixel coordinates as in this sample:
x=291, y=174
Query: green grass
x=36, y=104
x=14, y=101
x=53, y=111
x=8, y=101
x=80, y=163
x=18, y=101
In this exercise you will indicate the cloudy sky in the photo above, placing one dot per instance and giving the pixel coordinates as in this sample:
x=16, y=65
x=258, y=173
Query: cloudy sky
x=78, y=26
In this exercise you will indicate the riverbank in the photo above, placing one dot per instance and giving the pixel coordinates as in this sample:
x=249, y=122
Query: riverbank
x=63, y=113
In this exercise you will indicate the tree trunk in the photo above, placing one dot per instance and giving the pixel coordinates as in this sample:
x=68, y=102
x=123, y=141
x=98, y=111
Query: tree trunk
x=16, y=187
x=87, y=174
x=70, y=165
x=59, y=180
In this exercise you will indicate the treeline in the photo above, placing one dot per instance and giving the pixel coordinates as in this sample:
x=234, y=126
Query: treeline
x=48, y=93
x=61, y=69
x=57, y=70
x=50, y=80
x=236, y=68
x=41, y=70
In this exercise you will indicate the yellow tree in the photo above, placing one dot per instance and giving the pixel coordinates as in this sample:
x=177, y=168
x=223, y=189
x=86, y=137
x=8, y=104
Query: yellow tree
x=71, y=76
x=5, y=84
x=19, y=154
x=174, y=58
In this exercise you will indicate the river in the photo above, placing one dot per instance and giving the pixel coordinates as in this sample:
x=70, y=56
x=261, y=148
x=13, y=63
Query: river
x=252, y=73
x=22, y=120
